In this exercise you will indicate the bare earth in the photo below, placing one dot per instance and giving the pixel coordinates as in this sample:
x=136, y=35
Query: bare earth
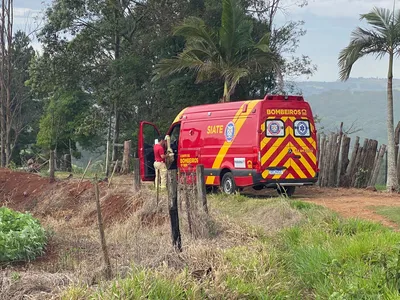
x=351, y=202
x=23, y=191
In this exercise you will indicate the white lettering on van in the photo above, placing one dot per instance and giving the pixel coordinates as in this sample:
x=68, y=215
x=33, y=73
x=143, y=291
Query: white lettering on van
x=290, y=112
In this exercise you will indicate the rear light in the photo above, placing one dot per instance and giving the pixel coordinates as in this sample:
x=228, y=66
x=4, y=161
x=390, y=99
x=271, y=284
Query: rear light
x=256, y=159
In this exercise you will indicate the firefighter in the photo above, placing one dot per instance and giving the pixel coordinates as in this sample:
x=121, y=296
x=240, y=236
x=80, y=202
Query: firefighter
x=159, y=163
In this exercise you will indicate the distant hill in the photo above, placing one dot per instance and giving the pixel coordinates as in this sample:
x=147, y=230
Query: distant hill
x=359, y=100
x=353, y=84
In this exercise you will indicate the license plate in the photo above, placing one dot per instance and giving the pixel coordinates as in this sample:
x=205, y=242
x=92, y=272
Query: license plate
x=275, y=172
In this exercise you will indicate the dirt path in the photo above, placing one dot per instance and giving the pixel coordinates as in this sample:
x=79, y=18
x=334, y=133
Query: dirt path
x=351, y=202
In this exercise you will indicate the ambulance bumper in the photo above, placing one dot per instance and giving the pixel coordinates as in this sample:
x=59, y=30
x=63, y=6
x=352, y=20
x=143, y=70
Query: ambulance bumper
x=270, y=183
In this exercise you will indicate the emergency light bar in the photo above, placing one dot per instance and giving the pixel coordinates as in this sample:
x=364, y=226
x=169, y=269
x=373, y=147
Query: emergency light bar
x=283, y=98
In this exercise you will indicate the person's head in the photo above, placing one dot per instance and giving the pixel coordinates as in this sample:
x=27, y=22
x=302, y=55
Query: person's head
x=161, y=140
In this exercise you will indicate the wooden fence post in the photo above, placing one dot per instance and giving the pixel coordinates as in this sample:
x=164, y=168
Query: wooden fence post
x=67, y=162
x=101, y=230
x=344, y=160
x=126, y=157
x=173, y=209
x=201, y=187
x=84, y=173
x=112, y=175
x=185, y=191
x=107, y=158
x=377, y=166
x=52, y=166
x=351, y=167
x=321, y=159
x=136, y=175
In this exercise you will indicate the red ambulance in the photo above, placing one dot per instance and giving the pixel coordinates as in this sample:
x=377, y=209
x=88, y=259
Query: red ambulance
x=269, y=143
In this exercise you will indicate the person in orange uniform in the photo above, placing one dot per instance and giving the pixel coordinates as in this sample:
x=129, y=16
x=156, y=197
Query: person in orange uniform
x=159, y=163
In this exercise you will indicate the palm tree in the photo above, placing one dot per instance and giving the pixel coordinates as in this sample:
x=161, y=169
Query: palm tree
x=230, y=54
x=382, y=39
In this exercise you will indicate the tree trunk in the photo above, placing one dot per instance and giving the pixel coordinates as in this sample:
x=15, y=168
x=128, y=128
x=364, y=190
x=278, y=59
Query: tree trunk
x=392, y=181
x=116, y=134
x=117, y=46
x=227, y=96
x=3, y=83
x=9, y=81
x=396, y=142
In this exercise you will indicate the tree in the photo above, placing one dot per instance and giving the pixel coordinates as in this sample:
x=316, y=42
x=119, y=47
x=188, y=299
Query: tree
x=6, y=34
x=382, y=39
x=230, y=54
x=24, y=110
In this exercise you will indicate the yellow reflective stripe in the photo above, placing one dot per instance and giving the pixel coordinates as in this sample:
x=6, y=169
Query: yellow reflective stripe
x=301, y=143
x=271, y=150
x=178, y=117
x=210, y=179
x=239, y=119
x=298, y=170
x=275, y=145
x=281, y=155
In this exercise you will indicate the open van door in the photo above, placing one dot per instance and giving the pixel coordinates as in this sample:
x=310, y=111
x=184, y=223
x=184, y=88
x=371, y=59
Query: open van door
x=148, y=133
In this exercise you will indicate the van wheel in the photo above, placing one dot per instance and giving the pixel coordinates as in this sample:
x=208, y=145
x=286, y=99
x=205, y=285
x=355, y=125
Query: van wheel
x=228, y=185
x=286, y=191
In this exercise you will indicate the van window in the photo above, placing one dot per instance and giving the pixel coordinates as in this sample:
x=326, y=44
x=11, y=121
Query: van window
x=302, y=128
x=274, y=128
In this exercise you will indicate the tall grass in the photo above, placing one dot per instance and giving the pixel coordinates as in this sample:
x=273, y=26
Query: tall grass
x=315, y=255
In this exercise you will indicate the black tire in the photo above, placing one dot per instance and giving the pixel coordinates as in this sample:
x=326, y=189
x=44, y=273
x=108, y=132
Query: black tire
x=286, y=191
x=228, y=185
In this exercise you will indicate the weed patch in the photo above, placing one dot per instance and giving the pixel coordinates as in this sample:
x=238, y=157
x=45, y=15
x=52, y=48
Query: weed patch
x=390, y=212
x=21, y=236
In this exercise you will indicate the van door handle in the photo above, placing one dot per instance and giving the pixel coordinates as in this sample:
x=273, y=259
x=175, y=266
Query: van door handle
x=297, y=156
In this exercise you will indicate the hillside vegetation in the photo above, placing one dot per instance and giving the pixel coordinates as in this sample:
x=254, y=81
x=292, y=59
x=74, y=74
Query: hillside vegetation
x=359, y=101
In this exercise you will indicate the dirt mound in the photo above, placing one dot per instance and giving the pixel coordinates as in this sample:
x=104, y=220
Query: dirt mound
x=114, y=208
x=31, y=285
x=19, y=190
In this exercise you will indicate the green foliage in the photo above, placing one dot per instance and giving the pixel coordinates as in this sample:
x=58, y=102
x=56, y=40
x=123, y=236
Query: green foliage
x=229, y=53
x=104, y=52
x=59, y=124
x=21, y=236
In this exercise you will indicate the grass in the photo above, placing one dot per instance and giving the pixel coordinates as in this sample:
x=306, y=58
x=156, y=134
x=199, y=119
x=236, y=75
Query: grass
x=390, y=212
x=380, y=187
x=277, y=249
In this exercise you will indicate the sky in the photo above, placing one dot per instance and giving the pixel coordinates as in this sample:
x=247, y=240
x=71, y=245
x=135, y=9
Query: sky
x=328, y=24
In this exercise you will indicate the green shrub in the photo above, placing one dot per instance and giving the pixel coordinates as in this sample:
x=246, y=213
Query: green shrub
x=21, y=236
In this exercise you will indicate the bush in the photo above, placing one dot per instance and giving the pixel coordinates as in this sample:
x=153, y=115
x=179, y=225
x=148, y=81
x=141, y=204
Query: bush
x=21, y=236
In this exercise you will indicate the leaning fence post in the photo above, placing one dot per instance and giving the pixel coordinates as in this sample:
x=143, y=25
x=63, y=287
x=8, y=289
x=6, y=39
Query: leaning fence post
x=173, y=209
x=201, y=187
x=136, y=175
x=101, y=230
x=51, y=166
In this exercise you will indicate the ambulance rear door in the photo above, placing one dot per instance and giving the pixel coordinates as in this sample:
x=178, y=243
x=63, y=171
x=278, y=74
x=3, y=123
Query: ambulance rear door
x=148, y=136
